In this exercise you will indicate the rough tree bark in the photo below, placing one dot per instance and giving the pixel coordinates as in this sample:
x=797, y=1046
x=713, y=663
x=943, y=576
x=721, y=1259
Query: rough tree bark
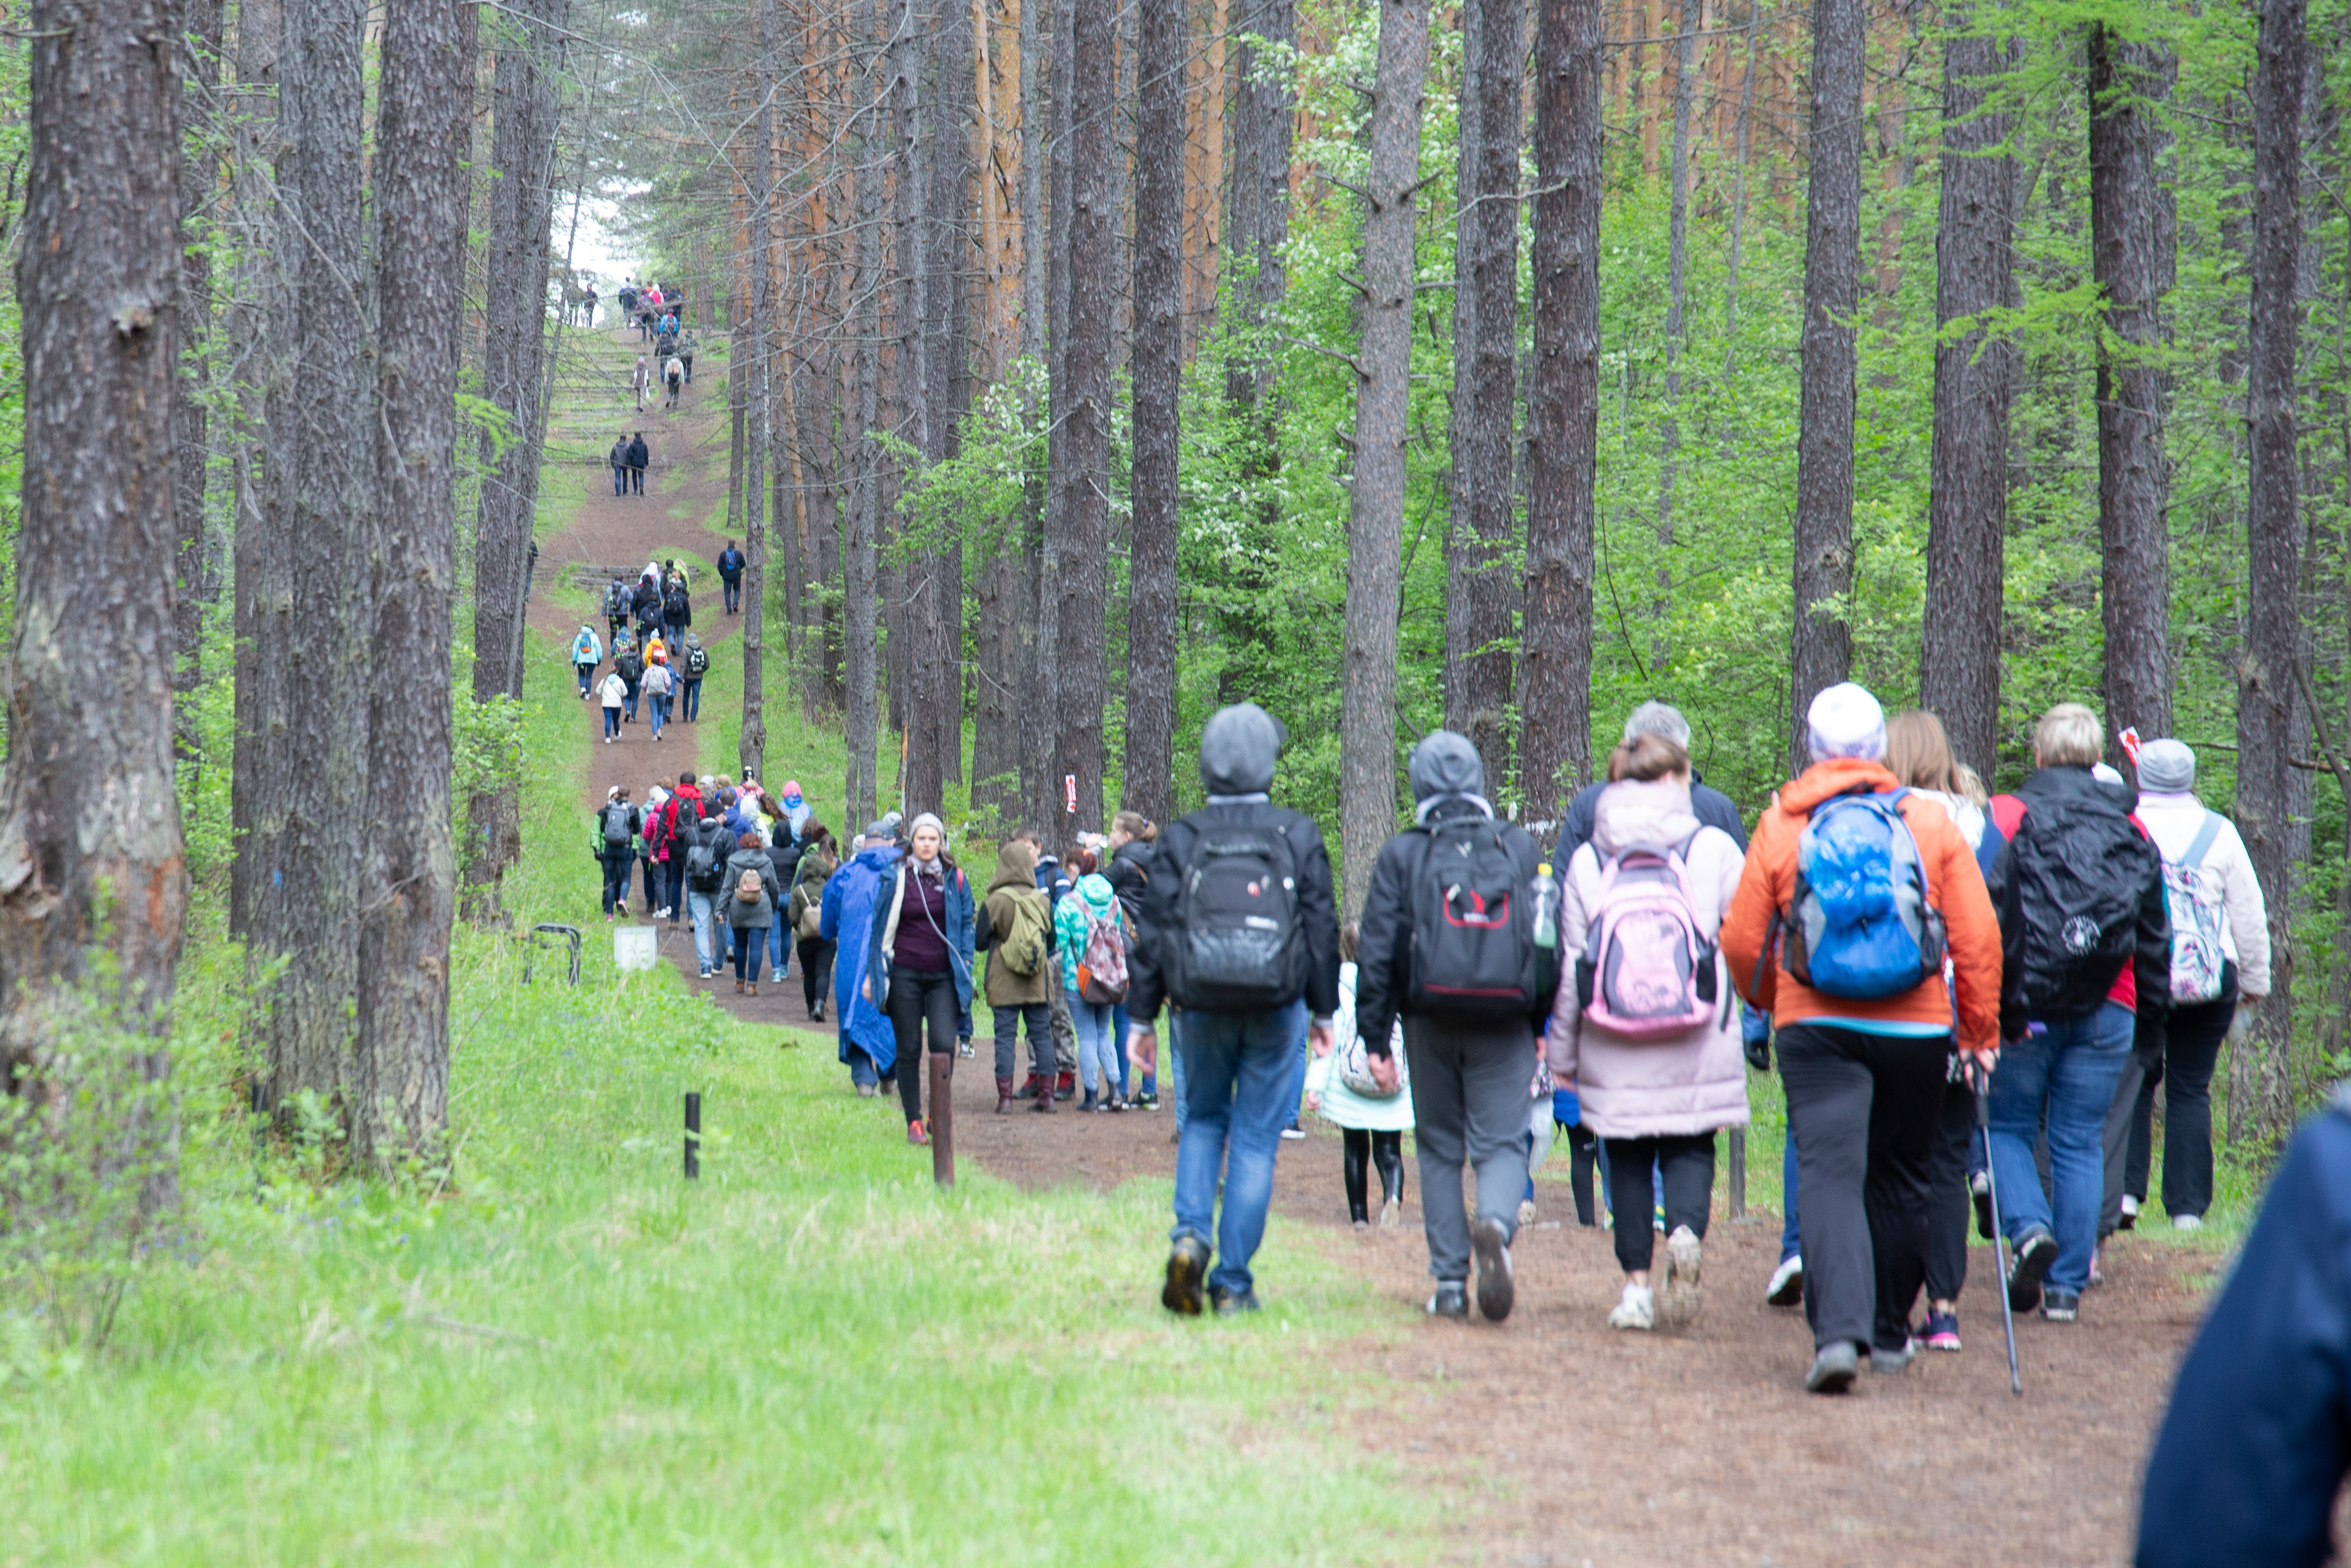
x=198, y=578
x=513, y=353
x=1081, y=464
x=1047, y=803
x=947, y=354
x=1966, y=509
x=409, y=882
x=751, y=750
x=253, y=280
x=1821, y=641
x=1485, y=384
x=1562, y=405
x=1367, y=718
x=1669, y=427
x=2261, y=1078
x=1147, y=779
x=1033, y=673
x=90, y=857
x=1745, y=136
x=860, y=586
x=2131, y=227
x=303, y=579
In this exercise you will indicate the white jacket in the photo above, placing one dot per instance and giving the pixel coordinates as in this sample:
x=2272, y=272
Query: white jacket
x=1341, y=1106
x=615, y=690
x=2172, y=820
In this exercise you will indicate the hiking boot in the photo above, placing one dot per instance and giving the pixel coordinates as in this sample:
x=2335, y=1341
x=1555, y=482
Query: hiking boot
x=1147, y=1101
x=754, y=990
x=1028, y=1087
x=1787, y=1285
x=867, y=1091
x=1834, y=1369
x=1451, y=1300
x=2128, y=1220
x=1088, y=1104
x=2034, y=1253
x=1979, y=1193
x=1942, y=1331
x=1065, y=1087
x=1228, y=1302
x=1003, y=1095
x=1392, y=1214
x=1681, y=1297
x=1044, y=1101
x=816, y=1013
x=1187, y=1266
x=1637, y=1310
x=1882, y=1360
x=918, y=1134
x=2060, y=1306
x=738, y=987
x=1490, y=1244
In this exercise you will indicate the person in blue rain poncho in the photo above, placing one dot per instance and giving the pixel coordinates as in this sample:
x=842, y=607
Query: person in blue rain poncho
x=868, y=1044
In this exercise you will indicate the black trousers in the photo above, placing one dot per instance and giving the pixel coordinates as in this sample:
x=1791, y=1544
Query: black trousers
x=1947, y=1214
x=2191, y=1048
x=917, y=996
x=1863, y=1109
x=1584, y=1154
x=617, y=864
x=1359, y=1147
x=816, y=968
x=636, y=480
x=1687, y=1163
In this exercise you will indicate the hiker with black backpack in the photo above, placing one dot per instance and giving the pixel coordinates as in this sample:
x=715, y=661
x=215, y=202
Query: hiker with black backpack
x=1241, y=931
x=1854, y=893
x=753, y=898
x=730, y=575
x=918, y=960
x=616, y=832
x=2219, y=973
x=709, y=847
x=677, y=609
x=630, y=665
x=692, y=664
x=1450, y=944
x=1090, y=940
x=1647, y=1026
x=1014, y=927
x=820, y=858
x=2086, y=946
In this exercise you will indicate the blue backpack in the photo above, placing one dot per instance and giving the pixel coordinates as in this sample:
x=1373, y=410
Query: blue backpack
x=1859, y=925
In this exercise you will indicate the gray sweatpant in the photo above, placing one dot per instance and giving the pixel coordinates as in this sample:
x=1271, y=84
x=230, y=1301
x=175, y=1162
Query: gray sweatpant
x=1470, y=1102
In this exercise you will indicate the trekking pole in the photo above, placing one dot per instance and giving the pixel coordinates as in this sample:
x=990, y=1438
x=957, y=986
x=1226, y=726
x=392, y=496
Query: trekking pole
x=1980, y=1082
x=942, y=1068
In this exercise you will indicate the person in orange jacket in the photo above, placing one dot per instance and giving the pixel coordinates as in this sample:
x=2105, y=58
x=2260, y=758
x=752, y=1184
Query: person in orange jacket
x=1866, y=1075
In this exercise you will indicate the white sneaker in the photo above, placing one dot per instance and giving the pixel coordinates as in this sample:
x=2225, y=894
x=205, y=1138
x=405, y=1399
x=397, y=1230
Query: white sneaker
x=778, y=979
x=1391, y=1214
x=1638, y=1310
x=1787, y=1285
x=1681, y=1293
x=1526, y=1212
x=2187, y=1222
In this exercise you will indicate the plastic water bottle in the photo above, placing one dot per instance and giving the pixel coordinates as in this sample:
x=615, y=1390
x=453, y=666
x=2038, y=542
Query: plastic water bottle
x=1546, y=906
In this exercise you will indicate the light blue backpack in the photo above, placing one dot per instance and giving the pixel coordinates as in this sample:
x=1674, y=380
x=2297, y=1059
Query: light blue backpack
x=1859, y=925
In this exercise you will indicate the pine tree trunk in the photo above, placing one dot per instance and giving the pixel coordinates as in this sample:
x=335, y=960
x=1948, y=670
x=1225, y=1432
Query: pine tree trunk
x=409, y=882
x=198, y=580
x=1746, y=142
x=1669, y=428
x=1367, y=716
x=1562, y=405
x=947, y=330
x=1031, y=674
x=2260, y=1077
x=1485, y=384
x=1048, y=807
x=90, y=852
x=861, y=607
x=1264, y=123
x=513, y=353
x=260, y=665
x=305, y=574
x=2131, y=227
x=917, y=656
x=1822, y=642
x=752, y=747
x=1147, y=782
x=1967, y=511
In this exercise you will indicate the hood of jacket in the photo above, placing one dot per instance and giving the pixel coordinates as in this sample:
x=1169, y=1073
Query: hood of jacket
x=1445, y=764
x=878, y=857
x=1835, y=777
x=1015, y=866
x=1238, y=750
x=1632, y=811
x=1095, y=889
x=742, y=861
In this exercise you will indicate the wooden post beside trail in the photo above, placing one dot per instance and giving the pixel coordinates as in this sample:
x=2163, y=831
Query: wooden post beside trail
x=693, y=1138
x=941, y=1118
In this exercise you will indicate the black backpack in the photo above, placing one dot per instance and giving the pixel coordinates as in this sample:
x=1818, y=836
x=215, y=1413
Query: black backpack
x=1473, y=930
x=630, y=665
x=1238, y=946
x=702, y=863
x=616, y=600
x=616, y=823
x=697, y=659
x=2077, y=872
x=676, y=605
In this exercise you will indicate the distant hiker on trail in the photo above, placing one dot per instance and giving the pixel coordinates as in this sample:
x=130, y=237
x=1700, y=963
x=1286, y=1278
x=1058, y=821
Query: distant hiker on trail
x=614, y=692
x=661, y=849
x=1054, y=882
x=1014, y=928
x=820, y=859
x=1247, y=949
x=706, y=855
x=617, y=601
x=645, y=599
x=673, y=375
x=641, y=380
x=629, y=665
x=659, y=686
x=1864, y=1018
x=618, y=458
x=868, y=1044
x=639, y=457
x=1090, y=934
x=2220, y=968
x=627, y=299
x=587, y=652
x=730, y=572
x=2086, y=945
x=753, y=897
x=692, y=664
x=1450, y=945
x=1372, y=1119
x=918, y=960
x=785, y=856
x=616, y=832
x=1647, y=1026
x=677, y=608
x=686, y=347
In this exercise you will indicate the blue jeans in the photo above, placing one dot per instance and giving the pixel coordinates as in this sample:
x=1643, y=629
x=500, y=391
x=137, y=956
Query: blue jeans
x=1097, y=1058
x=587, y=674
x=1118, y=1045
x=693, y=704
x=1792, y=1242
x=611, y=721
x=780, y=949
x=659, y=714
x=1242, y=1082
x=1172, y=1048
x=700, y=907
x=2070, y=1068
x=620, y=480
x=629, y=704
x=734, y=594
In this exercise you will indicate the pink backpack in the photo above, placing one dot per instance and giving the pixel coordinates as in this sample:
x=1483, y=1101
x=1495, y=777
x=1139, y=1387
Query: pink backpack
x=1646, y=972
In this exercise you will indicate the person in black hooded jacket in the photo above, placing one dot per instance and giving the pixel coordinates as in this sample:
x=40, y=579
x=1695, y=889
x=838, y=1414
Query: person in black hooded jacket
x=1471, y=1072
x=1247, y=963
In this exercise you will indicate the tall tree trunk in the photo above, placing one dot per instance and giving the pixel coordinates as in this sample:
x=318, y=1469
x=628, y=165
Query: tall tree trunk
x=2261, y=1078
x=305, y=572
x=1050, y=805
x=1147, y=779
x=861, y=588
x=947, y=354
x=513, y=353
x=1746, y=142
x=919, y=660
x=257, y=616
x=402, y=1086
x=90, y=852
x=1033, y=672
x=1562, y=405
x=1822, y=642
x=1966, y=509
x=1367, y=717
x=1485, y=384
x=2131, y=229
x=1669, y=428
x=1081, y=471
x=198, y=581
x=752, y=747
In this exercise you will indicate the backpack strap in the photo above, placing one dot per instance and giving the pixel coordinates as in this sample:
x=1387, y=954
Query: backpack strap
x=2197, y=847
